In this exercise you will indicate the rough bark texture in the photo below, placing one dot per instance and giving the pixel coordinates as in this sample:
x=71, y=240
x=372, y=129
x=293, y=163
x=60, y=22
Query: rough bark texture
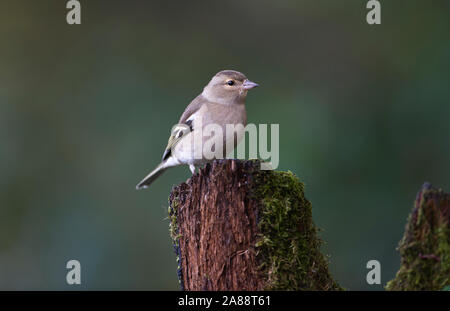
x=235, y=227
x=425, y=247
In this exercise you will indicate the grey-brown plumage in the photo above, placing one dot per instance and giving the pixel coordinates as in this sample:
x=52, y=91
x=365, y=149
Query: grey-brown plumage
x=222, y=102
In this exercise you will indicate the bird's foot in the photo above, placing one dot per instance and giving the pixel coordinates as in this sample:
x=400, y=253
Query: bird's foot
x=192, y=168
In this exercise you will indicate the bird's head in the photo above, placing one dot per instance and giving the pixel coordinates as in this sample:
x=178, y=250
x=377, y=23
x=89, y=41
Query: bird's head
x=228, y=87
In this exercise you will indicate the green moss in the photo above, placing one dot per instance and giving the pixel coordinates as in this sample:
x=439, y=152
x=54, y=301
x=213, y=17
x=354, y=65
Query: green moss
x=425, y=247
x=174, y=233
x=173, y=226
x=288, y=246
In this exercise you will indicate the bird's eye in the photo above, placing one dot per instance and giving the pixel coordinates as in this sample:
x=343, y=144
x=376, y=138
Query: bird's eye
x=230, y=82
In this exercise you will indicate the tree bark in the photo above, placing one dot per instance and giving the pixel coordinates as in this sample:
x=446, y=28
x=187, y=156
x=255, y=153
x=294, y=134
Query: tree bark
x=425, y=247
x=235, y=227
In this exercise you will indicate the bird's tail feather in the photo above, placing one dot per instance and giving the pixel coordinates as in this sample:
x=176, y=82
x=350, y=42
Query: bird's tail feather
x=152, y=176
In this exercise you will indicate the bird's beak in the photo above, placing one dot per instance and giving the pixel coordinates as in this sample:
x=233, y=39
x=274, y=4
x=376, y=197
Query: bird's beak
x=248, y=85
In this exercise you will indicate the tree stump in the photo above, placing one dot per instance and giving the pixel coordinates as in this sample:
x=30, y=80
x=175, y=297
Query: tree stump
x=235, y=227
x=425, y=247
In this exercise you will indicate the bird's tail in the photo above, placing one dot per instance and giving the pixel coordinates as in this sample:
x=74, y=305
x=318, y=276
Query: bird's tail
x=152, y=176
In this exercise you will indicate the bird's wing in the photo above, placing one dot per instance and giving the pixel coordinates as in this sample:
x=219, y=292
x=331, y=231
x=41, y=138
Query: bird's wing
x=193, y=107
x=184, y=126
x=178, y=131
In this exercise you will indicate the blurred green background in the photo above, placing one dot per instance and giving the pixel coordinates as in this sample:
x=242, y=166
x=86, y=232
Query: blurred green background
x=85, y=112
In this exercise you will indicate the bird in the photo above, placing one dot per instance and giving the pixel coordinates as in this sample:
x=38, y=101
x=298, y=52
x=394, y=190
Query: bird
x=221, y=102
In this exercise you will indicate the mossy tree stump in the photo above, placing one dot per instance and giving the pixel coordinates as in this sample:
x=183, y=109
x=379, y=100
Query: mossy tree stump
x=425, y=247
x=235, y=227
